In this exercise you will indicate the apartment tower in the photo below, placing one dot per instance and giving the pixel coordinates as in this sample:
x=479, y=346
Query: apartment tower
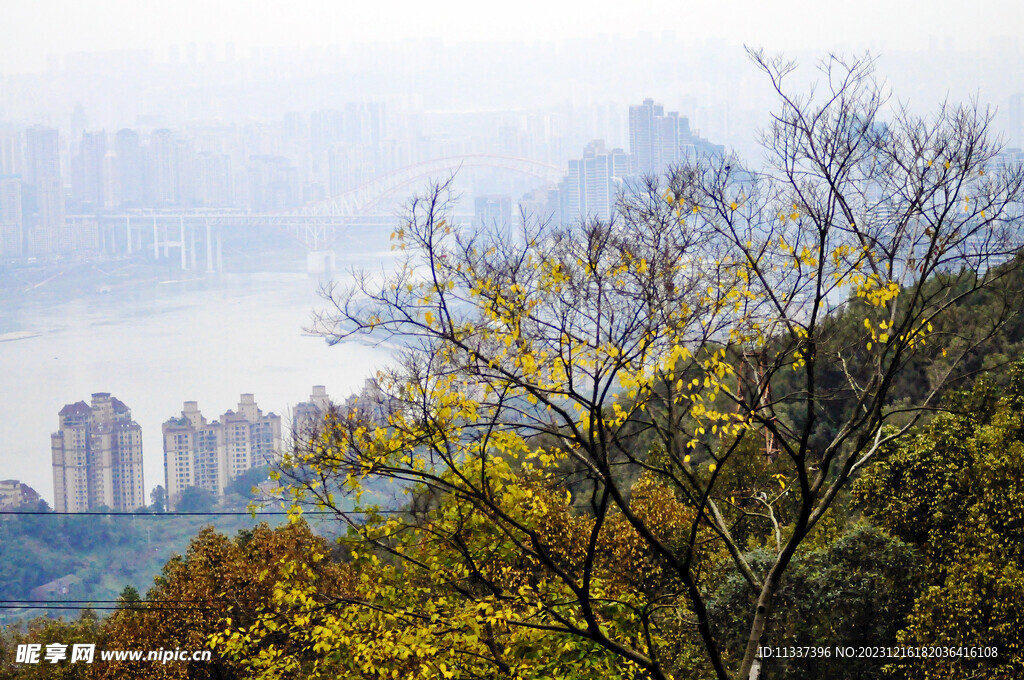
x=209, y=455
x=97, y=457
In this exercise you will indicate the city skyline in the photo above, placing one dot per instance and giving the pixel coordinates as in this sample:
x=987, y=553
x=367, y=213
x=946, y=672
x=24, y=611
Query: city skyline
x=73, y=195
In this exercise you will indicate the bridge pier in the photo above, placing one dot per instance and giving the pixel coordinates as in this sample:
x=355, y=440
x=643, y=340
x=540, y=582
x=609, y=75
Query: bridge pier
x=209, y=249
x=321, y=261
x=184, y=253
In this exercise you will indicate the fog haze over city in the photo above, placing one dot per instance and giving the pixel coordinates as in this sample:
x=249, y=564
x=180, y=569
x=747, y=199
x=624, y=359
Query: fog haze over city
x=148, y=152
x=232, y=62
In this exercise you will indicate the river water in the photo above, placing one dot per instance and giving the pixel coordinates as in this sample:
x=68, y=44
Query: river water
x=154, y=345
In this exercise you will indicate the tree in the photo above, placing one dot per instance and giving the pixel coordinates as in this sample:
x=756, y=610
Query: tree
x=46, y=631
x=956, y=489
x=244, y=484
x=216, y=588
x=853, y=590
x=158, y=497
x=196, y=499
x=729, y=346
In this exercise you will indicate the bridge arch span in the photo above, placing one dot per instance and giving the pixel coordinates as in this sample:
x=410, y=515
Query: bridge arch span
x=365, y=197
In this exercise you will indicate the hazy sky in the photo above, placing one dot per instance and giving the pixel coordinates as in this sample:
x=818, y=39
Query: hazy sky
x=34, y=29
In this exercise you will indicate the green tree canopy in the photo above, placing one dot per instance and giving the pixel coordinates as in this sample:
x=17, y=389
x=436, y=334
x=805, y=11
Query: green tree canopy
x=957, y=491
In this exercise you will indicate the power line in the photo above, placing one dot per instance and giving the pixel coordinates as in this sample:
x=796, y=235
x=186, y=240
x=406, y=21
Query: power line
x=126, y=607
x=203, y=514
x=136, y=605
x=115, y=605
x=118, y=601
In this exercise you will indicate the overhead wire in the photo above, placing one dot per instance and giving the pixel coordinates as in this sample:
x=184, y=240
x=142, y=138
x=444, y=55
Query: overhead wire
x=204, y=514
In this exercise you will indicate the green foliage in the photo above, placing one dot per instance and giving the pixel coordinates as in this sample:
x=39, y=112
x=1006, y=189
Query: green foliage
x=853, y=591
x=196, y=499
x=957, y=491
x=158, y=497
x=105, y=553
x=243, y=484
x=43, y=631
x=130, y=595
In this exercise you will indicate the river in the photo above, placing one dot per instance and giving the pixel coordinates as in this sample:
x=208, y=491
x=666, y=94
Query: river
x=156, y=344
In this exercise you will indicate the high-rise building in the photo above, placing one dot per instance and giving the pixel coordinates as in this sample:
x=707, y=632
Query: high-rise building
x=273, y=184
x=659, y=141
x=306, y=416
x=591, y=186
x=642, y=130
x=364, y=124
x=87, y=178
x=1016, y=113
x=112, y=197
x=10, y=152
x=184, y=166
x=42, y=154
x=489, y=211
x=46, y=233
x=130, y=168
x=97, y=457
x=162, y=175
x=213, y=180
x=12, y=233
x=209, y=455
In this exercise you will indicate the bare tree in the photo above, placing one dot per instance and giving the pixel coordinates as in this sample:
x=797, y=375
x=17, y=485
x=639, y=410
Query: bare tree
x=733, y=320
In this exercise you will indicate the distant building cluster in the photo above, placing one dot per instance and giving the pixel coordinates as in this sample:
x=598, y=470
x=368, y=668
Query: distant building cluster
x=15, y=495
x=67, y=194
x=54, y=189
x=97, y=452
x=32, y=196
x=208, y=455
x=657, y=142
x=97, y=457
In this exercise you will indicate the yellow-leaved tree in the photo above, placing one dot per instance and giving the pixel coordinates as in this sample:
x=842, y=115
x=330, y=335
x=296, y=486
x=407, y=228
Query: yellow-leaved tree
x=589, y=427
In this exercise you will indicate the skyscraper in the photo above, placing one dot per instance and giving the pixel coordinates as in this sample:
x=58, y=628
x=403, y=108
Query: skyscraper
x=307, y=415
x=162, y=174
x=11, y=227
x=10, y=152
x=209, y=455
x=46, y=233
x=1016, y=112
x=130, y=167
x=591, y=186
x=88, y=175
x=97, y=457
x=42, y=157
x=659, y=141
x=489, y=211
x=642, y=131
